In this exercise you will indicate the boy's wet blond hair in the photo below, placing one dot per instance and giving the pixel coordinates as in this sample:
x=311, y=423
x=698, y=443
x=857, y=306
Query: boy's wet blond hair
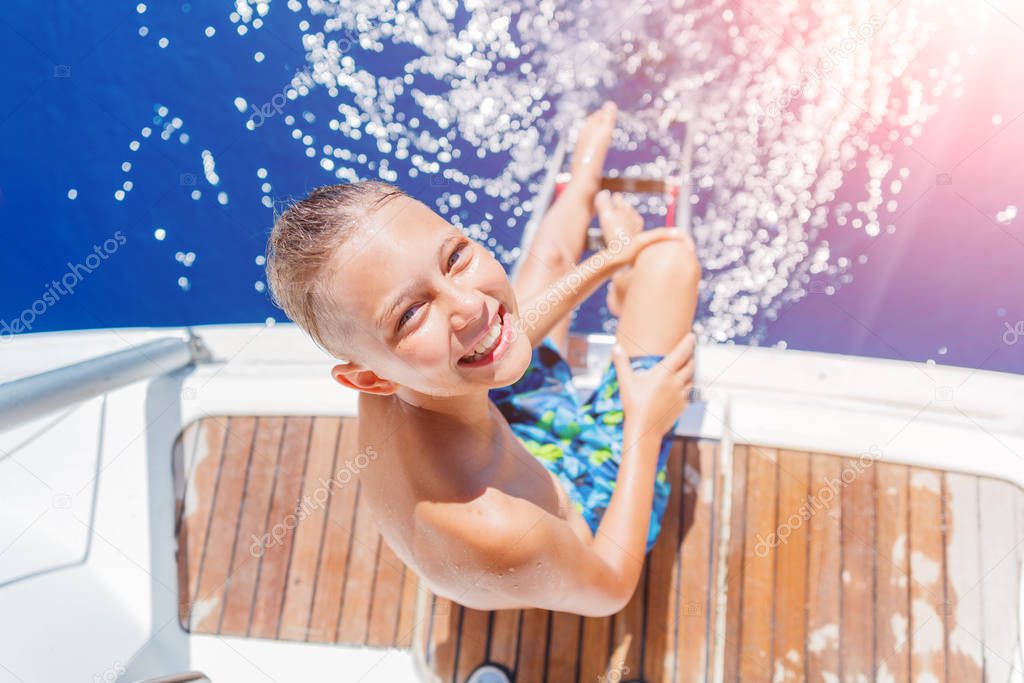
x=302, y=245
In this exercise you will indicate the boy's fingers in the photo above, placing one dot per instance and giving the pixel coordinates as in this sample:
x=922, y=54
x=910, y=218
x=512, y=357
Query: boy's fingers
x=622, y=367
x=667, y=233
x=682, y=352
x=649, y=237
x=686, y=372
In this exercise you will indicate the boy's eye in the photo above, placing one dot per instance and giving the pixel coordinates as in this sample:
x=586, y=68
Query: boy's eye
x=456, y=255
x=407, y=316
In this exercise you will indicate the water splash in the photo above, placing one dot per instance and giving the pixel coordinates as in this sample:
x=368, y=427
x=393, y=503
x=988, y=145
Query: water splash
x=795, y=109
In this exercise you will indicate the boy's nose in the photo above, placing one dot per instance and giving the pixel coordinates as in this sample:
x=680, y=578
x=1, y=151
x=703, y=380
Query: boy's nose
x=467, y=307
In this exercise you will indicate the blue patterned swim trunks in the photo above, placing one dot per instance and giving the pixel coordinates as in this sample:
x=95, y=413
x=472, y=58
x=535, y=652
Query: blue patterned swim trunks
x=580, y=443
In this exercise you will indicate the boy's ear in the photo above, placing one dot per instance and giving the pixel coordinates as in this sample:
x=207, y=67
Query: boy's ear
x=355, y=376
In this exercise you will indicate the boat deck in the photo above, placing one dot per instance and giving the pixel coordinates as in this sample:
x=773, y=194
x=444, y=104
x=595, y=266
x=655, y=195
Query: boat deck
x=772, y=565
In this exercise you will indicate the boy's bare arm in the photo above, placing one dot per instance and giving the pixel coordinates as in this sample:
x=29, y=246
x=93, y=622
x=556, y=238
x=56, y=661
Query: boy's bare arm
x=520, y=555
x=544, y=310
x=524, y=556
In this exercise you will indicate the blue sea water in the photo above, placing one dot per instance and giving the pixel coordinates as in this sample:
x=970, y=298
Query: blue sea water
x=81, y=82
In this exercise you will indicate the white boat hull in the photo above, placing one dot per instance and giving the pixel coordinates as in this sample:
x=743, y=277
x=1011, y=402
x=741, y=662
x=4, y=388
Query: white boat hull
x=88, y=574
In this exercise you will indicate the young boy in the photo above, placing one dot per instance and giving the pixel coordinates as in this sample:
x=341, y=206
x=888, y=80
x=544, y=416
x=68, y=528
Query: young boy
x=493, y=480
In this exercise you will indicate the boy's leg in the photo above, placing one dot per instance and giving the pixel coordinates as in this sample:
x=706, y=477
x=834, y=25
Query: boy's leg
x=658, y=298
x=657, y=301
x=617, y=227
x=562, y=234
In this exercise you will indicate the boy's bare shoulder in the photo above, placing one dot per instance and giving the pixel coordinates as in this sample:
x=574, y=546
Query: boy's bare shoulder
x=412, y=438
x=488, y=522
x=449, y=484
x=472, y=512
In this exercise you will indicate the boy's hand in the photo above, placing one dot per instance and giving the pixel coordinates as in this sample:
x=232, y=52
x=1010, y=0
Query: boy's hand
x=623, y=230
x=653, y=399
x=623, y=253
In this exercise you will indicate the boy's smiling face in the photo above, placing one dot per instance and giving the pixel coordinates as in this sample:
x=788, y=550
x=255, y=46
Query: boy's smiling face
x=425, y=307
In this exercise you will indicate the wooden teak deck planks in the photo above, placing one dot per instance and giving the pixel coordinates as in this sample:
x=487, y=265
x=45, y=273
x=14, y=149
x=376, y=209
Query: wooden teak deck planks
x=270, y=542
x=771, y=565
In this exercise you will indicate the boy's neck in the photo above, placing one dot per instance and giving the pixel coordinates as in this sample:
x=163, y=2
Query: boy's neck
x=469, y=409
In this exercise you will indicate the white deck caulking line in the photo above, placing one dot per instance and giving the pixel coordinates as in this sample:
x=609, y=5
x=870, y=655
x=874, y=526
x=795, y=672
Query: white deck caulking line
x=716, y=670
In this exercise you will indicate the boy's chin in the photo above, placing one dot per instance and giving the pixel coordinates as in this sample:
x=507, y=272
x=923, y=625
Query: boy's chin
x=519, y=359
x=504, y=372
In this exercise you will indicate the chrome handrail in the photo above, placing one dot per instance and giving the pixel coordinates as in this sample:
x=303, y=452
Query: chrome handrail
x=30, y=397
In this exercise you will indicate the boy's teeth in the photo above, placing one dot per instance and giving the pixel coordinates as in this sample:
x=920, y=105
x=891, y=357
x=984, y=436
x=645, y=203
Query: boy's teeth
x=488, y=342
x=492, y=335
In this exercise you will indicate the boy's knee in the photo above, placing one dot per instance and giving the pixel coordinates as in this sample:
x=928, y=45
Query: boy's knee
x=553, y=256
x=673, y=260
